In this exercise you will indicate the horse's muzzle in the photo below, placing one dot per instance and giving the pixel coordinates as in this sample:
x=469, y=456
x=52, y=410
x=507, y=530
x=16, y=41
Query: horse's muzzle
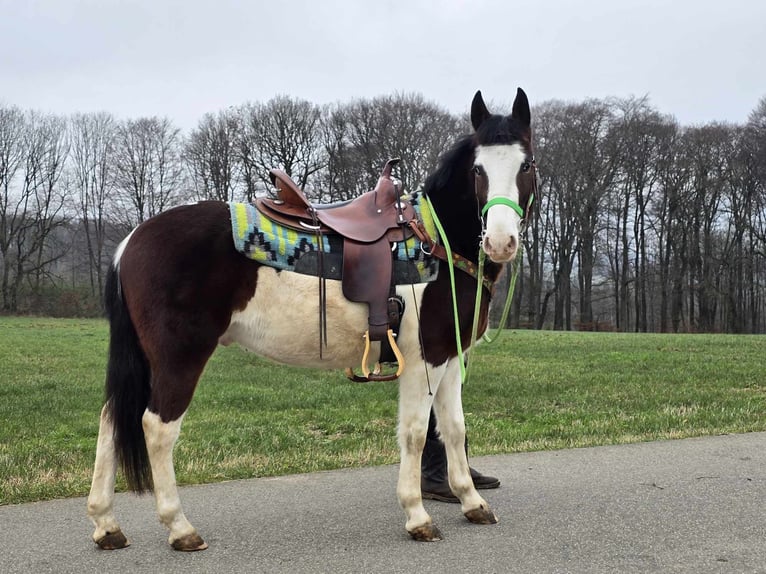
x=500, y=250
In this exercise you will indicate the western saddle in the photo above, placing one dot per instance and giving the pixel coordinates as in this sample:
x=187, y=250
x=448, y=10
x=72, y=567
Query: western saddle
x=368, y=225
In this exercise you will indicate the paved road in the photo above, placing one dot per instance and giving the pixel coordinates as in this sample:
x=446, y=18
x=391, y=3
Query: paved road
x=691, y=506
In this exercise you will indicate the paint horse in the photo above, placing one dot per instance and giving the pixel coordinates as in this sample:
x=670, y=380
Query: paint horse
x=177, y=287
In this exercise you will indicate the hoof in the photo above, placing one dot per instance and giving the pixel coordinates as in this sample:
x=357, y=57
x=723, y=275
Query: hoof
x=427, y=533
x=189, y=543
x=481, y=516
x=113, y=541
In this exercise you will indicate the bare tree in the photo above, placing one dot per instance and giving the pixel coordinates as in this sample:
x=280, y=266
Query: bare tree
x=640, y=222
x=92, y=164
x=12, y=133
x=345, y=176
x=34, y=148
x=211, y=156
x=45, y=165
x=641, y=138
x=416, y=130
x=752, y=174
x=563, y=142
x=711, y=148
x=283, y=133
x=366, y=133
x=595, y=167
x=673, y=177
x=148, y=169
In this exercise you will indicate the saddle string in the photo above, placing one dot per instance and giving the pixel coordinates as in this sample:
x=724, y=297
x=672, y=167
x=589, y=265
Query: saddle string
x=322, y=285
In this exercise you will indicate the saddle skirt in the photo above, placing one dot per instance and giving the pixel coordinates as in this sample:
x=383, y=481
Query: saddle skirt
x=262, y=239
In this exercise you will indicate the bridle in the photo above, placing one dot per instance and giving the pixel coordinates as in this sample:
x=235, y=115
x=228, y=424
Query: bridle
x=453, y=260
x=524, y=214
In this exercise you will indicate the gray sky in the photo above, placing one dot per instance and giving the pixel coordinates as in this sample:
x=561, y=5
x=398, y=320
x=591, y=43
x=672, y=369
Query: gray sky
x=698, y=60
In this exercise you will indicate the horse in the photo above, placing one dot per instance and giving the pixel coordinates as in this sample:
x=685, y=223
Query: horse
x=176, y=288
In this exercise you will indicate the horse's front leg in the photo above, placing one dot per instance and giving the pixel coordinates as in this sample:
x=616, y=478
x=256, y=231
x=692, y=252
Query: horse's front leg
x=448, y=406
x=414, y=408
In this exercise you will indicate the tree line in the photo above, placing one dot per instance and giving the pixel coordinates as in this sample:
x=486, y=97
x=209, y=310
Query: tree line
x=641, y=224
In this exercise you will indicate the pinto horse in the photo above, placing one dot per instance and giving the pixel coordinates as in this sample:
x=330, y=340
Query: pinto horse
x=177, y=287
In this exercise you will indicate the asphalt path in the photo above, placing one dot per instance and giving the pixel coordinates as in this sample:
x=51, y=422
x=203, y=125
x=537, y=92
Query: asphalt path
x=693, y=505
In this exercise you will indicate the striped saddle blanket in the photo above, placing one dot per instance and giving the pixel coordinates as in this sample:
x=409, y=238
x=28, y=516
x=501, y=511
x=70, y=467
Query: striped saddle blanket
x=261, y=239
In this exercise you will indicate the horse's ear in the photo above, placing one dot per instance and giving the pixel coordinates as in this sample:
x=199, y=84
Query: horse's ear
x=479, y=111
x=521, y=108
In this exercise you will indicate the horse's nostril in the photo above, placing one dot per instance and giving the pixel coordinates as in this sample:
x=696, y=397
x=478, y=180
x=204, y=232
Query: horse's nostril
x=512, y=243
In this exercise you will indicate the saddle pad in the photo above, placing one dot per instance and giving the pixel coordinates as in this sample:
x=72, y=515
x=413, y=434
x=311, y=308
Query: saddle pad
x=261, y=239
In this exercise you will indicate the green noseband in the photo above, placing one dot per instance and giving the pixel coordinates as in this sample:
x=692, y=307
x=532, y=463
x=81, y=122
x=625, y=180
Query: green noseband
x=508, y=203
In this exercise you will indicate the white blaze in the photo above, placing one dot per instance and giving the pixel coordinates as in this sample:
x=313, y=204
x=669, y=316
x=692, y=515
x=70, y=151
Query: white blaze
x=501, y=163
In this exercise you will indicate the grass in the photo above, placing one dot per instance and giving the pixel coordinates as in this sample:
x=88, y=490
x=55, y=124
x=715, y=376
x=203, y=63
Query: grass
x=530, y=391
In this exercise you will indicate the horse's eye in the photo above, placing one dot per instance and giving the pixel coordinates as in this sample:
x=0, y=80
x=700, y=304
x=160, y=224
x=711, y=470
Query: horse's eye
x=525, y=166
x=478, y=170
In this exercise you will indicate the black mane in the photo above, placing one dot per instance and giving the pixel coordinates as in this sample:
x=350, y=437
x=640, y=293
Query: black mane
x=451, y=164
x=451, y=191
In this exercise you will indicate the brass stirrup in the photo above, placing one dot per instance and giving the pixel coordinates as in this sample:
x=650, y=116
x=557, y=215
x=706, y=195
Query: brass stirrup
x=373, y=376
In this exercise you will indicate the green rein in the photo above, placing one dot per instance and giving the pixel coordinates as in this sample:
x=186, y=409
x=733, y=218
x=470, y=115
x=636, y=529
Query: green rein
x=479, y=283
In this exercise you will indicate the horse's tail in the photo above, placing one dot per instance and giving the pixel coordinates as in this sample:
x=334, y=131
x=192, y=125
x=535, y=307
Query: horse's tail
x=127, y=386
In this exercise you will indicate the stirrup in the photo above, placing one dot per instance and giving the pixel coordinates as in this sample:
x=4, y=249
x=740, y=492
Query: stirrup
x=374, y=376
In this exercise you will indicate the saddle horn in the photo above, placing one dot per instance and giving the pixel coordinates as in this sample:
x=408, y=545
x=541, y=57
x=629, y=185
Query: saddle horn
x=389, y=166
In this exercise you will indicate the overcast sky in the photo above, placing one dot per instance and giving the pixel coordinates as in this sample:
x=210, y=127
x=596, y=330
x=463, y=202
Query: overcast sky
x=698, y=60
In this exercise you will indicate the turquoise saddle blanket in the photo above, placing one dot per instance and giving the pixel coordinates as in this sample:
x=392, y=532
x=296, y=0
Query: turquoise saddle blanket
x=261, y=239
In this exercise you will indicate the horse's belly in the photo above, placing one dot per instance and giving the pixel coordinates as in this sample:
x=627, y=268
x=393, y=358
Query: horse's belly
x=281, y=322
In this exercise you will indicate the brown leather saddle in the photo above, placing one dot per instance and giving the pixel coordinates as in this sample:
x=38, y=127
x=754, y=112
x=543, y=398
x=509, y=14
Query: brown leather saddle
x=369, y=225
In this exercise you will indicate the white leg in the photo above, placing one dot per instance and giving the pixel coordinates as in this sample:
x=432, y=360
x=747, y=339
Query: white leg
x=448, y=407
x=160, y=439
x=414, y=408
x=101, y=499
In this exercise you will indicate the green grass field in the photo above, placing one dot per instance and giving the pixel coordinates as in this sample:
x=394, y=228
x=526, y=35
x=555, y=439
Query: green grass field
x=531, y=391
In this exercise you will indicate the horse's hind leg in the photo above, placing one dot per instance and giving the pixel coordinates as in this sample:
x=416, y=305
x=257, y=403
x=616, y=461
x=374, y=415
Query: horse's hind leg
x=161, y=438
x=101, y=499
x=448, y=407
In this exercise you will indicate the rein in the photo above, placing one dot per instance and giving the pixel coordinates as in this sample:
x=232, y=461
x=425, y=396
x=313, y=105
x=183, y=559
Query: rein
x=514, y=271
x=476, y=271
x=451, y=267
x=506, y=307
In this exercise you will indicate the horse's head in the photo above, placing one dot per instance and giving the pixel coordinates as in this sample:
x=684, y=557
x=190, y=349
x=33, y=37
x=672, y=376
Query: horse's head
x=505, y=174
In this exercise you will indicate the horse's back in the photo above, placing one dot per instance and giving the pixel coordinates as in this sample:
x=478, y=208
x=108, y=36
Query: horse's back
x=187, y=237
x=179, y=271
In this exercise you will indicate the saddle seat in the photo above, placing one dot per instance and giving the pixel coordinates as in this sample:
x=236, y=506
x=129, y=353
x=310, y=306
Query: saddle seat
x=366, y=218
x=369, y=225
